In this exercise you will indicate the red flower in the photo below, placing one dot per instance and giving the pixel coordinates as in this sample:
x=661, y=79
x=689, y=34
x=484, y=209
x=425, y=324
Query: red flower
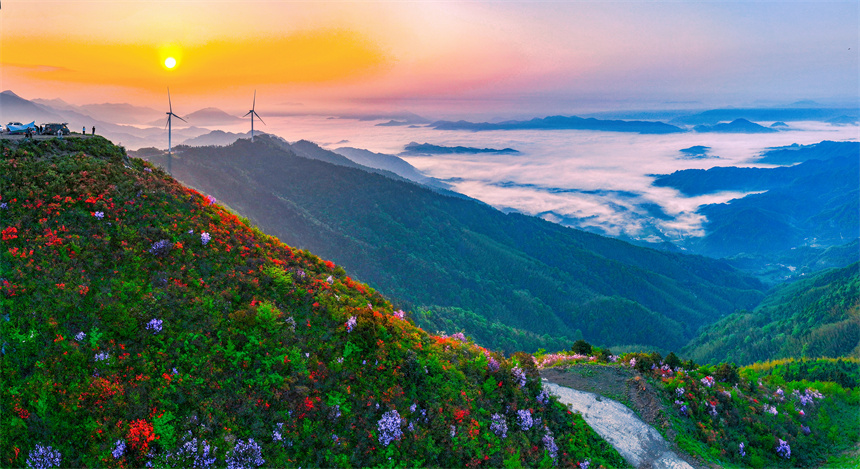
x=10, y=233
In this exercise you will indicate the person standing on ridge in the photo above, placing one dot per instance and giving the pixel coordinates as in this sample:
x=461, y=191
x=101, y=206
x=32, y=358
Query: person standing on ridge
x=84, y=130
x=94, y=130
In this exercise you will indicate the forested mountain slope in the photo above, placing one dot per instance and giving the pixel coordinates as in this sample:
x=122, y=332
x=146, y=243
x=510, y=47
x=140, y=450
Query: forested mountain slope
x=432, y=250
x=809, y=318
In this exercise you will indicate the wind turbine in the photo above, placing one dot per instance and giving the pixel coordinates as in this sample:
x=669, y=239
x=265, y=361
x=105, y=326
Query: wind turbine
x=169, y=126
x=253, y=113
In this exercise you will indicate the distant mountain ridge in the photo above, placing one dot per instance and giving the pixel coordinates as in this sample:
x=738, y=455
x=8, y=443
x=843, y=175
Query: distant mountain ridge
x=414, y=148
x=737, y=126
x=563, y=123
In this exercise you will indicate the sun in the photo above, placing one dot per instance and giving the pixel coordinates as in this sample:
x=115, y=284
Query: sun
x=170, y=62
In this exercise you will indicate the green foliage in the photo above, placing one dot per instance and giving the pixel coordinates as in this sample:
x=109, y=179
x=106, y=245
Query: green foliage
x=718, y=408
x=136, y=312
x=581, y=347
x=810, y=318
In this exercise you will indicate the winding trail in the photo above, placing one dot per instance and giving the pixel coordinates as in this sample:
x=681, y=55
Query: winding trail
x=637, y=442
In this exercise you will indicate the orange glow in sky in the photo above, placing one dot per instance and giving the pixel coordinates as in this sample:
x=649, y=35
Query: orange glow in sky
x=507, y=54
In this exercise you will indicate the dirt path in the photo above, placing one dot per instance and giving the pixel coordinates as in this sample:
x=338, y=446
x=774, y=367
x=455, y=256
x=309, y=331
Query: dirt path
x=637, y=442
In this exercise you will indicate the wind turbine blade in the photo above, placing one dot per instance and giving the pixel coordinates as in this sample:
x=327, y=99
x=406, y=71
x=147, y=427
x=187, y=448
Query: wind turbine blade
x=169, y=103
x=168, y=122
x=183, y=120
x=254, y=105
x=258, y=117
x=249, y=112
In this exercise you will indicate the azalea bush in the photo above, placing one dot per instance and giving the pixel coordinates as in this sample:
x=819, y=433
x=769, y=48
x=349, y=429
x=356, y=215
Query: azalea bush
x=144, y=324
x=749, y=417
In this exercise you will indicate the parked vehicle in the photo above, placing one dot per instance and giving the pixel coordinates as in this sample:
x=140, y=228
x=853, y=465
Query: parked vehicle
x=17, y=128
x=55, y=129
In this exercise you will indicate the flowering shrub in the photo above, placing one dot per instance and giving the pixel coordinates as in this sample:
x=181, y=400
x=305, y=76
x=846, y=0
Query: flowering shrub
x=519, y=376
x=783, y=449
x=154, y=325
x=389, y=427
x=43, y=457
x=525, y=419
x=245, y=455
x=499, y=426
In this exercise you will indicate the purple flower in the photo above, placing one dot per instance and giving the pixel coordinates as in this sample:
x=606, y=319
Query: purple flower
x=683, y=411
x=525, y=418
x=389, y=427
x=741, y=450
x=329, y=280
x=119, y=449
x=160, y=248
x=43, y=457
x=350, y=324
x=458, y=336
x=770, y=409
x=492, y=365
x=99, y=215
x=399, y=314
x=245, y=455
x=783, y=449
x=276, y=434
x=204, y=238
x=192, y=454
x=708, y=381
x=3, y=205
x=499, y=426
x=101, y=356
x=210, y=200
x=80, y=336
x=543, y=397
x=680, y=391
x=584, y=464
x=519, y=376
x=155, y=325
x=549, y=444
x=806, y=430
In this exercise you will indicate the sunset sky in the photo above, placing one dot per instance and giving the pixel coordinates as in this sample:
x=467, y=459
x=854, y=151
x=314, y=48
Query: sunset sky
x=537, y=57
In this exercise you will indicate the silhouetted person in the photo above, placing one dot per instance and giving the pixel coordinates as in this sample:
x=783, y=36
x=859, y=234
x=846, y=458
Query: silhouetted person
x=84, y=130
x=94, y=130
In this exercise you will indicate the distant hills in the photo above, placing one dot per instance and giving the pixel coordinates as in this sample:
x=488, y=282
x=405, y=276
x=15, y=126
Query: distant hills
x=218, y=137
x=210, y=116
x=563, y=123
x=810, y=318
x=769, y=114
x=429, y=250
x=737, y=126
x=812, y=205
x=414, y=148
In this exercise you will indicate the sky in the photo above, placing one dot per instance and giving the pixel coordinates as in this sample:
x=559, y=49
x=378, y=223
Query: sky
x=443, y=58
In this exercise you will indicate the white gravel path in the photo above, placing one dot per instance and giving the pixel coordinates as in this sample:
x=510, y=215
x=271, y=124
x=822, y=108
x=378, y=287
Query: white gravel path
x=637, y=442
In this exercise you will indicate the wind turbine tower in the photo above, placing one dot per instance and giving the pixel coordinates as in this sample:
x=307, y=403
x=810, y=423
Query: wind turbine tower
x=253, y=113
x=169, y=126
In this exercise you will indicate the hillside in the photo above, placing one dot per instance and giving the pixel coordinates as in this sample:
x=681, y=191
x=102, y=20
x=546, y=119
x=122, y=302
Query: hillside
x=437, y=251
x=810, y=318
x=145, y=324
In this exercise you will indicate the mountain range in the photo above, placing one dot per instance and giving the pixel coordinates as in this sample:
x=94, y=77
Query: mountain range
x=811, y=206
x=563, y=122
x=433, y=250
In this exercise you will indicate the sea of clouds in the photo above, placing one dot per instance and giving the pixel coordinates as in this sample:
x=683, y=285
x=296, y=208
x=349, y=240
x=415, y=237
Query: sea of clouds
x=600, y=181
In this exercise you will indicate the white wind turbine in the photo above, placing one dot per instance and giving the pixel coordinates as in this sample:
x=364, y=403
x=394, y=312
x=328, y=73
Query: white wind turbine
x=253, y=113
x=169, y=126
